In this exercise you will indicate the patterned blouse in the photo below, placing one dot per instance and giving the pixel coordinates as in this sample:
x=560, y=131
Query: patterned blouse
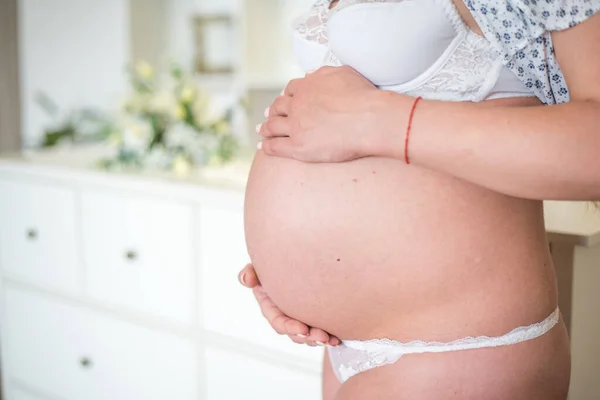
x=520, y=31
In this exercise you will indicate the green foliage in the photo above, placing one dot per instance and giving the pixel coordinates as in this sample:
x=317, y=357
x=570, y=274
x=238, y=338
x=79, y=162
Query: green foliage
x=166, y=121
x=82, y=125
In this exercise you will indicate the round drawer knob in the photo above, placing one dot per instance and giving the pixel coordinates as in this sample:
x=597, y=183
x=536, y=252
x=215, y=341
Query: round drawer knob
x=32, y=234
x=85, y=362
x=131, y=255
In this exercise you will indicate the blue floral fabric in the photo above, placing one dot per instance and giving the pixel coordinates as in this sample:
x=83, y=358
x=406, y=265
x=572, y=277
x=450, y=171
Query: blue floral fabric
x=520, y=30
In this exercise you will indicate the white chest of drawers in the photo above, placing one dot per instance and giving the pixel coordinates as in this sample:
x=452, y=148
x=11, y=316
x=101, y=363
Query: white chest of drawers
x=125, y=287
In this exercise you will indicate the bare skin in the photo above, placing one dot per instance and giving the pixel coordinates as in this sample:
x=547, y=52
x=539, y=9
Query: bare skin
x=491, y=272
x=331, y=384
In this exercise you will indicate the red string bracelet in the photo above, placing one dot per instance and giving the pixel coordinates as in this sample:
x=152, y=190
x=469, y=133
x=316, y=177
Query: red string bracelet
x=410, y=119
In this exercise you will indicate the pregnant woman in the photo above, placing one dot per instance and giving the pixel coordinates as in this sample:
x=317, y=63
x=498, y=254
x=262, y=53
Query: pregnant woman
x=409, y=235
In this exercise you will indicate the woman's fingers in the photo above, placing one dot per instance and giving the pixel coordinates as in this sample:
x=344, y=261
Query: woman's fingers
x=280, y=322
x=295, y=327
x=315, y=337
x=248, y=277
x=318, y=336
x=333, y=341
x=302, y=340
x=279, y=146
x=274, y=127
x=297, y=339
x=292, y=87
x=281, y=107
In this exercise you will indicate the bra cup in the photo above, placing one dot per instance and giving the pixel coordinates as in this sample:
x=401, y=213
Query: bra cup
x=417, y=47
x=310, y=55
x=372, y=38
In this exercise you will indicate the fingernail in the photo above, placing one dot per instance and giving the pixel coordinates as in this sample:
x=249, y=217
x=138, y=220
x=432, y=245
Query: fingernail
x=319, y=343
x=258, y=128
x=243, y=278
x=267, y=112
x=301, y=335
x=259, y=145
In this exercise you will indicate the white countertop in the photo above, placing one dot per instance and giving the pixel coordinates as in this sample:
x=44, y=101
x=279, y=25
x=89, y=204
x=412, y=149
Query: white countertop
x=84, y=158
x=577, y=223
x=573, y=222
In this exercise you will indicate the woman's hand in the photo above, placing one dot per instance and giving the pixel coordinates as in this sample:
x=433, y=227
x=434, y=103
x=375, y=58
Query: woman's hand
x=297, y=331
x=333, y=115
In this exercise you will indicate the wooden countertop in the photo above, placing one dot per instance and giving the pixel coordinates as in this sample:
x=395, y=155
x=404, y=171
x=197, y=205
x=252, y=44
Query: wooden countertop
x=577, y=223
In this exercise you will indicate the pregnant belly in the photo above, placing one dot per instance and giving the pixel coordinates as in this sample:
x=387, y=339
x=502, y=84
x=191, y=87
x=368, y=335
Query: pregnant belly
x=349, y=247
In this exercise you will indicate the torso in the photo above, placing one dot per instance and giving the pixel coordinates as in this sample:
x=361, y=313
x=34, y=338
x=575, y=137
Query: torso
x=398, y=246
x=374, y=248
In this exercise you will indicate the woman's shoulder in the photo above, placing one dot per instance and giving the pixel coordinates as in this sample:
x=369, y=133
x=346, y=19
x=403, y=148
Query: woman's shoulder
x=521, y=32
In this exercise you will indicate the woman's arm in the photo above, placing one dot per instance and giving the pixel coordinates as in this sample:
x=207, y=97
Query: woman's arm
x=543, y=152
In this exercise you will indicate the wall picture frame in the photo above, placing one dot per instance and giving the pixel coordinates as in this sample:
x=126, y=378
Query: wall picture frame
x=215, y=44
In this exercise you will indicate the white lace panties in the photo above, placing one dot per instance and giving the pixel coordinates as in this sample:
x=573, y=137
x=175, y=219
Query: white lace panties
x=354, y=356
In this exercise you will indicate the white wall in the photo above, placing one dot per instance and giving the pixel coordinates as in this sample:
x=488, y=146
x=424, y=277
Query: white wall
x=149, y=32
x=180, y=40
x=265, y=37
x=76, y=51
x=269, y=52
x=73, y=50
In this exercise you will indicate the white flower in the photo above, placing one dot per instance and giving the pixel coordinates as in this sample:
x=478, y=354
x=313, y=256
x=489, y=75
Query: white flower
x=181, y=165
x=204, y=146
x=199, y=146
x=179, y=112
x=180, y=135
x=158, y=157
x=163, y=102
x=135, y=103
x=223, y=127
x=187, y=94
x=206, y=111
x=171, y=100
x=115, y=138
x=144, y=69
x=137, y=133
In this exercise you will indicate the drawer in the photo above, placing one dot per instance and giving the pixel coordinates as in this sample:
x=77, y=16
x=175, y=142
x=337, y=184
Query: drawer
x=73, y=354
x=229, y=308
x=38, y=235
x=138, y=254
x=256, y=379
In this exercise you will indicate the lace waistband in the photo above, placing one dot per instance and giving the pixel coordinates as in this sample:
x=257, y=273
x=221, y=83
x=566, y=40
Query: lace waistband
x=354, y=356
x=517, y=335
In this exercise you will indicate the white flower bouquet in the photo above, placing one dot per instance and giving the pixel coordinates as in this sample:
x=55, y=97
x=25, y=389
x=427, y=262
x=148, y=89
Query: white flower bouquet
x=170, y=124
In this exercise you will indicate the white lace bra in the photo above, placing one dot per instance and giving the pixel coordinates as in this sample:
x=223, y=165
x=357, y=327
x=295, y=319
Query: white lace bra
x=417, y=47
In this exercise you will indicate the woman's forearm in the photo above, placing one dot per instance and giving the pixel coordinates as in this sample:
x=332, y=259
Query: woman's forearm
x=538, y=152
